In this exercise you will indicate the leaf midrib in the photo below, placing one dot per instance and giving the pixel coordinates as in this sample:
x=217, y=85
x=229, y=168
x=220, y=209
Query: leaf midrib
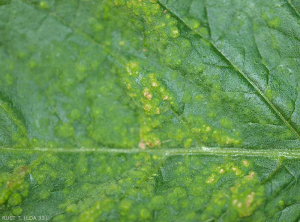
x=256, y=87
x=216, y=151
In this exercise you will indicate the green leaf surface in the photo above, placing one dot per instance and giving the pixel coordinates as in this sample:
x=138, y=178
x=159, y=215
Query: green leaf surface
x=150, y=110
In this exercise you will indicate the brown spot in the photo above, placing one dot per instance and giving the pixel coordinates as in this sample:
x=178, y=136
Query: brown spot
x=251, y=175
x=142, y=145
x=149, y=144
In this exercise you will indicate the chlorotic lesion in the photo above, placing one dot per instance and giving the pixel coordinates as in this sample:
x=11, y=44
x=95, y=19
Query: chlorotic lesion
x=162, y=35
x=241, y=199
x=153, y=97
x=14, y=188
x=130, y=187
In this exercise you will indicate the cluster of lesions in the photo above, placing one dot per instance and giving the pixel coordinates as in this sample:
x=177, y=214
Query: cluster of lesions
x=244, y=197
x=164, y=36
x=13, y=187
x=159, y=105
x=117, y=198
x=153, y=98
x=230, y=190
x=38, y=180
x=42, y=174
x=218, y=135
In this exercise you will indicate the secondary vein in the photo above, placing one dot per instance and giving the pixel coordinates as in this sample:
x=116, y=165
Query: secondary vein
x=249, y=80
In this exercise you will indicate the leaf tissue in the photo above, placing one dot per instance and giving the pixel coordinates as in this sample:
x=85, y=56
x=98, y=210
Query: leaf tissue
x=149, y=110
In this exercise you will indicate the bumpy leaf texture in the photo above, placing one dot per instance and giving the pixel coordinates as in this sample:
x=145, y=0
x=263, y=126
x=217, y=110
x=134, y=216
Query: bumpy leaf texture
x=150, y=110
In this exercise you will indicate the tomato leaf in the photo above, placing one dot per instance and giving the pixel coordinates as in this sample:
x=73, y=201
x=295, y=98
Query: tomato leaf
x=156, y=110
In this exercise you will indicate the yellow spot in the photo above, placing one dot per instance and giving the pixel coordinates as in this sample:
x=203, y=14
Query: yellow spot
x=175, y=33
x=121, y=43
x=234, y=202
x=188, y=143
x=221, y=171
x=210, y=179
x=237, y=171
x=132, y=95
x=274, y=23
x=246, y=163
x=193, y=23
x=157, y=111
x=269, y=93
x=147, y=94
x=157, y=142
x=208, y=128
x=228, y=140
x=44, y=5
x=250, y=199
x=132, y=68
x=196, y=130
x=147, y=107
x=154, y=84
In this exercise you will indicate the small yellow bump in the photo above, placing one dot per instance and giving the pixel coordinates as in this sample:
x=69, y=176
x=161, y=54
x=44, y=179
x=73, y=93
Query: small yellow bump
x=246, y=163
x=44, y=5
x=237, y=171
x=251, y=175
x=221, y=171
x=274, y=23
x=193, y=23
x=154, y=84
x=210, y=179
x=147, y=107
x=250, y=199
x=188, y=143
x=208, y=129
x=196, y=130
x=132, y=68
x=175, y=33
x=147, y=94
x=132, y=95
x=157, y=142
x=157, y=111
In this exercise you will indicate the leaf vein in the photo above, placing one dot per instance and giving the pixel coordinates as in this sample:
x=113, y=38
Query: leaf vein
x=248, y=79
